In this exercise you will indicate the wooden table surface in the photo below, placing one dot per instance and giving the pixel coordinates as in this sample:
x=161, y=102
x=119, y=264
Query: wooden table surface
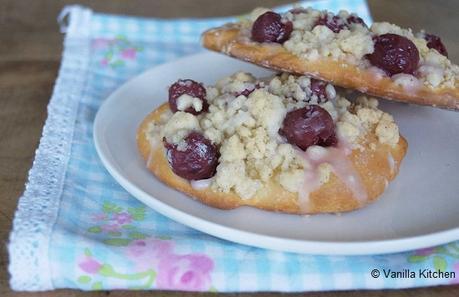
x=30, y=52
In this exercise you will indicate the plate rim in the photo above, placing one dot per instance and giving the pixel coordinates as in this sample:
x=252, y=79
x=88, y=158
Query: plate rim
x=316, y=247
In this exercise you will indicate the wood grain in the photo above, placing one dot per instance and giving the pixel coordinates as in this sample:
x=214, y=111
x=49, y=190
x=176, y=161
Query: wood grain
x=30, y=51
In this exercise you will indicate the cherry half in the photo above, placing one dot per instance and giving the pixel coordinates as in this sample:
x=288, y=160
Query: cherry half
x=434, y=42
x=188, y=87
x=394, y=54
x=307, y=126
x=197, y=161
x=269, y=27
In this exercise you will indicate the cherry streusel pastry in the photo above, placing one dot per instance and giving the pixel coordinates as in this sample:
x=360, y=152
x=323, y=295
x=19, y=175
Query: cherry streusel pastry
x=382, y=60
x=285, y=143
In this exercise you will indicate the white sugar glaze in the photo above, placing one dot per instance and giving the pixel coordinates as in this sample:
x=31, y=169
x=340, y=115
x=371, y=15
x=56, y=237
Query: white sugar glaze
x=341, y=166
x=391, y=162
x=150, y=158
x=201, y=184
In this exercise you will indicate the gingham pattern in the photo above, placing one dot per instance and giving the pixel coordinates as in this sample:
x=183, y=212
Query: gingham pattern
x=87, y=185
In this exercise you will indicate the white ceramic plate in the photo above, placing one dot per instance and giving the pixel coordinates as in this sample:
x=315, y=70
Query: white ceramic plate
x=419, y=209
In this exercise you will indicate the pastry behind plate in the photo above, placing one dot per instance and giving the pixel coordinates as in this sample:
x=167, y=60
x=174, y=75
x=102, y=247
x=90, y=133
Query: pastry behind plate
x=384, y=60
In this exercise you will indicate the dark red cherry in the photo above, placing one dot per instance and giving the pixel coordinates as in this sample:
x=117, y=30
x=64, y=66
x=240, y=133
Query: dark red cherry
x=269, y=27
x=298, y=10
x=310, y=125
x=330, y=141
x=189, y=87
x=394, y=54
x=334, y=23
x=249, y=91
x=318, y=89
x=246, y=92
x=434, y=42
x=198, y=160
x=353, y=19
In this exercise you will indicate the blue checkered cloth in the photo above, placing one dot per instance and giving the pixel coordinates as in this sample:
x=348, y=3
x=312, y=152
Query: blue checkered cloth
x=75, y=227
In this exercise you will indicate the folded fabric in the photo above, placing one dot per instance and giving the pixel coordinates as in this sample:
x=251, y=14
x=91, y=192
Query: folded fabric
x=75, y=227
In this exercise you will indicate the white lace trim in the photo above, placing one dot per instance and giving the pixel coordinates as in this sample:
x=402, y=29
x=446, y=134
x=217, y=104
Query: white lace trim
x=38, y=207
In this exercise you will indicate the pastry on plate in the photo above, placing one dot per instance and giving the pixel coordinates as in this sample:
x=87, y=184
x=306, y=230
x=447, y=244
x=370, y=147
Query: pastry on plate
x=382, y=60
x=285, y=143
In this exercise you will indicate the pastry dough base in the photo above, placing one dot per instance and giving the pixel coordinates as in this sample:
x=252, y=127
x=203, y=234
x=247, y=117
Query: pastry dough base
x=373, y=167
x=227, y=39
